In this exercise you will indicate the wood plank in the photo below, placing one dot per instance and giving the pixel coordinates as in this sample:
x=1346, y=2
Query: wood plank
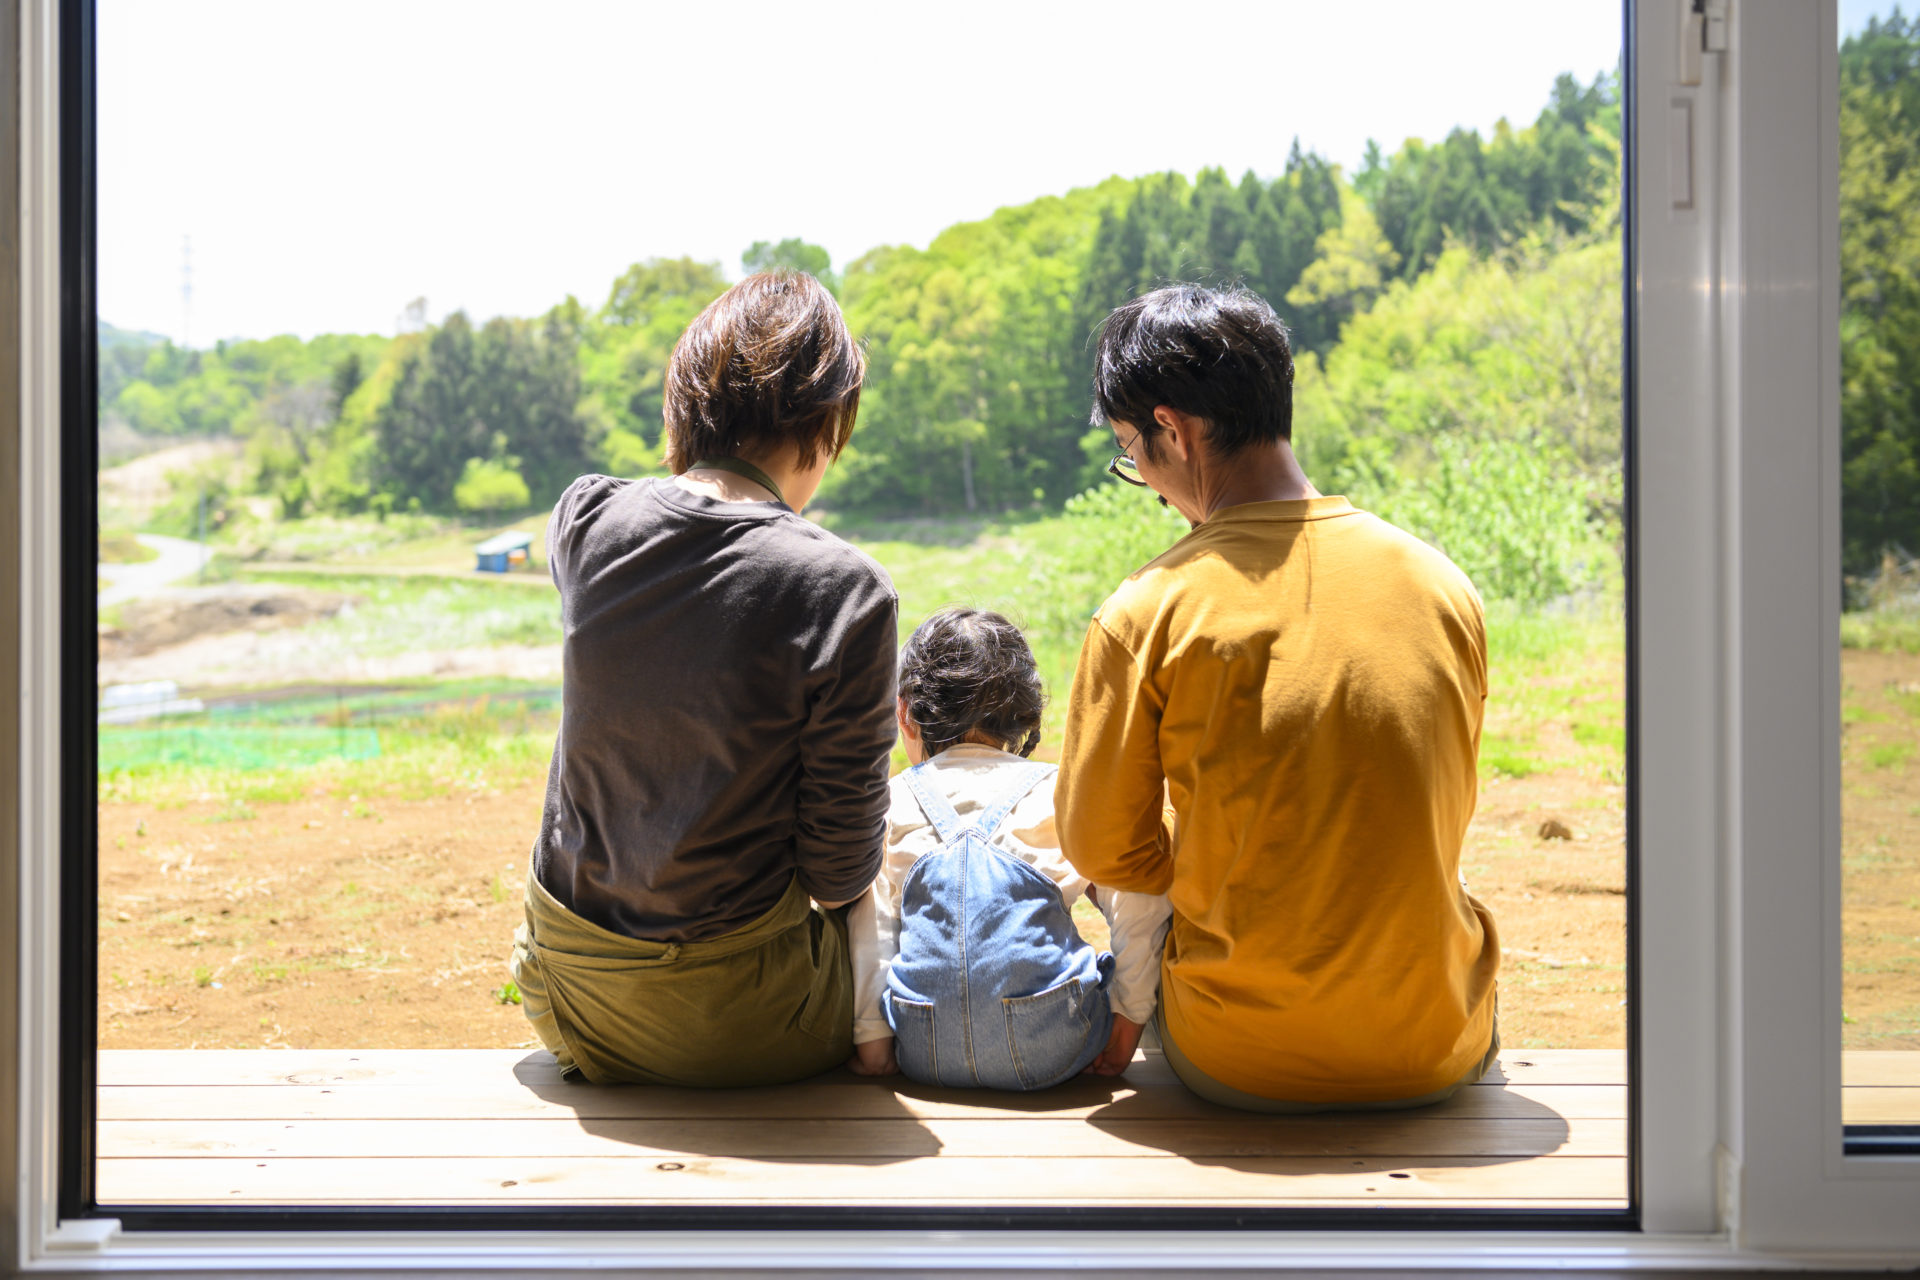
x=1079, y=1099
x=1559, y=1066
x=1879, y=1105
x=228, y=1067
x=1132, y=1139
x=440, y=1067
x=1897, y=1068
x=924, y=1180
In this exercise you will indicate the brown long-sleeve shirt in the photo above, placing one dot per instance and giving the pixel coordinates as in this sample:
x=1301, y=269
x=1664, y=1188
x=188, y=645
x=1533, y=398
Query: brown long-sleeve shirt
x=727, y=714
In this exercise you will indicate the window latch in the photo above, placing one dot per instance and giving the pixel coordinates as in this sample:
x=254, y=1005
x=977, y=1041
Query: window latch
x=1703, y=30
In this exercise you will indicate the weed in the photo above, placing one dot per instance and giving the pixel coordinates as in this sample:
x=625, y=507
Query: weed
x=1612, y=736
x=507, y=992
x=120, y=546
x=498, y=888
x=1889, y=755
x=234, y=811
x=1507, y=756
x=202, y=976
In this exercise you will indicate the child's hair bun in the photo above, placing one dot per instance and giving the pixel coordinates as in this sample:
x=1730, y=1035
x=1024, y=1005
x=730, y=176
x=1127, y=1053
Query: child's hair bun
x=964, y=671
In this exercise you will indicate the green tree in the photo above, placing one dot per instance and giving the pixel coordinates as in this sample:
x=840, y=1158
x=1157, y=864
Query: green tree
x=975, y=398
x=1489, y=193
x=624, y=348
x=490, y=486
x=506, y=394
x=1880, y=292
x=792, y=255
x=1353, y=263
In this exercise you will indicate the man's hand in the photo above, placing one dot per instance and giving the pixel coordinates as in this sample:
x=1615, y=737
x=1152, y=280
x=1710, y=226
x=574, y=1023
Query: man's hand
x=875, y=1058
x=1121, y=1042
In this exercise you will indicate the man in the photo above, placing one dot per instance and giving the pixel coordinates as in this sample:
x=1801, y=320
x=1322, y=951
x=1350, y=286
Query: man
x=1276, y=723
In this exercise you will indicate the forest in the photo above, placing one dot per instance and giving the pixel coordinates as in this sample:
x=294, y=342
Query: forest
x=1456, y=310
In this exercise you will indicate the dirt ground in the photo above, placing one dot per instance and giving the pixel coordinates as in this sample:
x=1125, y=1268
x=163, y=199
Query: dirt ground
x=325, y=922
x=339, y=921
x=348, y=921
x=249, y=658
x=1880, y=849
x=342, y=922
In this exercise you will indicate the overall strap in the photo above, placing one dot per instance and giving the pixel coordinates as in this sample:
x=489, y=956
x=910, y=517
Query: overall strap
x=1025, y=779
x=939, y=810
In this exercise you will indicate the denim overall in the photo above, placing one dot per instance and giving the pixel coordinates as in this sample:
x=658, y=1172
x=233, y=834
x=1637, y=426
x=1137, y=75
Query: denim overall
x=993, y=986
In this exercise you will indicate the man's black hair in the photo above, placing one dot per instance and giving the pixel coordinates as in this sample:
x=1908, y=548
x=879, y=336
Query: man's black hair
x=1220, y=355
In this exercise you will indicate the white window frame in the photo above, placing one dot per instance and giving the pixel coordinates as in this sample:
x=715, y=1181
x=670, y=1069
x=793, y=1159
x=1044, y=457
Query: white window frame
x=1735, y=391
x=1789, y=1185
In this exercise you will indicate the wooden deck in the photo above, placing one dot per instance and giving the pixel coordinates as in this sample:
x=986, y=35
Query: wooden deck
x=1546, y=1130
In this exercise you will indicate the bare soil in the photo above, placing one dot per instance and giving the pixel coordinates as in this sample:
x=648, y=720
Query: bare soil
x=342, y=921
x=1880, y=849
x=251, y=658
x=133, y=490
x=330, y=921
x=176, y=614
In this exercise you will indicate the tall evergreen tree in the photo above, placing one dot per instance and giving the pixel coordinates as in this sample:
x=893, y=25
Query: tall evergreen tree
x=1880, y=292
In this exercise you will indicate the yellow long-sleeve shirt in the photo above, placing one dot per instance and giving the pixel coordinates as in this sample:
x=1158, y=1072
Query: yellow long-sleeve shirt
x=1303, y=685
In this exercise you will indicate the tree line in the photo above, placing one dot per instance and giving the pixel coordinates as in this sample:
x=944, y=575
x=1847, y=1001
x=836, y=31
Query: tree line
x=1455, y=306
x=1880, y=293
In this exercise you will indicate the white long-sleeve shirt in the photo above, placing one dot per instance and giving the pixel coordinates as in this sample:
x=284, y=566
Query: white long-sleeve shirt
x=973, y=777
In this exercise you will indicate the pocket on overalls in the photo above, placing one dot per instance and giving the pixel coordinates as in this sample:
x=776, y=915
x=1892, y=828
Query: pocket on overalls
x=1046, y=1033
x=913, y=1042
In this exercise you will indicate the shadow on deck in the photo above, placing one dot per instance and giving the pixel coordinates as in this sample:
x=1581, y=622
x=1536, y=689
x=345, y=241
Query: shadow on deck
x=1546, y=1129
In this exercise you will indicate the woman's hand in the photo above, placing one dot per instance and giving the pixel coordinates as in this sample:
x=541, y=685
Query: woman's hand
x=874, y=1058
x=1121, y=1042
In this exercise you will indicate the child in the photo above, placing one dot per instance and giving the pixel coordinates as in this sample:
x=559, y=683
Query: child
x=967, y=969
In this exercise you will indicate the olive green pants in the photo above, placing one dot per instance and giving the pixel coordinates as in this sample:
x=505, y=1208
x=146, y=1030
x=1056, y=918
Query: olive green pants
x=769, y=1003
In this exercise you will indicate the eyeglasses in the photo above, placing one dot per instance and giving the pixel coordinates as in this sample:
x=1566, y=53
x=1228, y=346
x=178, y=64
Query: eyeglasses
x=1123, y=467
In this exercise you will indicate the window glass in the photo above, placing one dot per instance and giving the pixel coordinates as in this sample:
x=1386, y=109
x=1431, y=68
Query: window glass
x=1880, y=535
x=377, y=283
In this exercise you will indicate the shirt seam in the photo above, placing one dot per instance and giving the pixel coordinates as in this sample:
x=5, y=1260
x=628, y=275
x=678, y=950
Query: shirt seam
x=658, y=492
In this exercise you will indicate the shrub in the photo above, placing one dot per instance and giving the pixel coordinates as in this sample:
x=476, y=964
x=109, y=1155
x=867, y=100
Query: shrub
x=490, y=486
x=1513, y=514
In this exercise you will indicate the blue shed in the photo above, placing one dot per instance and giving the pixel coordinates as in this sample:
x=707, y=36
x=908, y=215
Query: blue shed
x=502, y=552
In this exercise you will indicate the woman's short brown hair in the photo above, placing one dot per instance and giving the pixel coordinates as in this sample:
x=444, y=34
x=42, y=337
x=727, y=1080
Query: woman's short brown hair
x=769, y=362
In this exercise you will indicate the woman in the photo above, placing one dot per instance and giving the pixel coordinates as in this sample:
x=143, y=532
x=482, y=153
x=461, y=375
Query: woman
x=726, y=725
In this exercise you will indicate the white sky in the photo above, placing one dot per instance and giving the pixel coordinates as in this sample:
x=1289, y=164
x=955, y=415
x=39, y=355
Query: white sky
x=331, y=161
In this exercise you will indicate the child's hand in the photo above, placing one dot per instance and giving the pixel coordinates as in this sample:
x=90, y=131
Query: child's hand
x=1121, y=1042
x=875, y=1058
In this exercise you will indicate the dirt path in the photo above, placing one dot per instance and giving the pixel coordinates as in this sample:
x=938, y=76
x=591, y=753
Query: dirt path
x=177, y=558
